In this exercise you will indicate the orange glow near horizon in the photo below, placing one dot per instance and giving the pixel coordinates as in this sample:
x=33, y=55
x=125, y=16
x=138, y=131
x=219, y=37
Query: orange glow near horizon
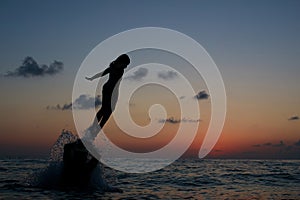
x=236, y=138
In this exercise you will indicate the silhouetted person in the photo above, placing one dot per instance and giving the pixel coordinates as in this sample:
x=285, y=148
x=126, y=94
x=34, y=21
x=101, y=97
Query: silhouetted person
x=110, y=88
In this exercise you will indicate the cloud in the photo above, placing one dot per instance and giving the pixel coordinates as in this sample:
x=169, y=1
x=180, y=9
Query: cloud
x=202, y=95
x=167, y=75
x=184, y=120
x=172, y=120
x=293, y=118
x=67, y=106
x=86, y=102
x=138, y=74
x=83, y=102
x=297, y=143
x=267, y=144
x=30, y=68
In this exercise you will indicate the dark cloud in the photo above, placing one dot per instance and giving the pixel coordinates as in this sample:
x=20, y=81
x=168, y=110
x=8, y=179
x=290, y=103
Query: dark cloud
x=297, y=143
x=202, y=95
x=138, y=74
x=67, y=106
x=167, y=75
x=172, y=120
x=184, y=120
x=293, y=118
x=30, y=68
x=82, y=102
x=86, y=102
x=267, y=144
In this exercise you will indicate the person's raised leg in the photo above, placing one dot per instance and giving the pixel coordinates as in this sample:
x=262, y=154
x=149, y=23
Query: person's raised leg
x=105, y=118
x=100, y=114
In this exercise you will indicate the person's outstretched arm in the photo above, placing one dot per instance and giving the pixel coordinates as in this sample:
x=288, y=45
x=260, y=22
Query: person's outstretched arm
x=103, y=73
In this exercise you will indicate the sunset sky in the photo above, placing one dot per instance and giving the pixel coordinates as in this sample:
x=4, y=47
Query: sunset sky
x=255, y=44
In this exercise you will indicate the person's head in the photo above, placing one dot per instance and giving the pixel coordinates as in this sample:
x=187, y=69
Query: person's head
x=122, y=61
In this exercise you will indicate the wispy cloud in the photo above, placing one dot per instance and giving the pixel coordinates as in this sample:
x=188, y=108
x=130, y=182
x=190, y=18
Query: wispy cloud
x=167, y=75
x=269, y=144
x=202, y=95
x=138, y=74
x=83, y=102
x=293, y=118
x=67, y=106
x=172, y=120
x=31, y=68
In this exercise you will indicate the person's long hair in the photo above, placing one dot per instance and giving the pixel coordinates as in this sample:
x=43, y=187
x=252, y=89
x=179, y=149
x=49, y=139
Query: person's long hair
x=123, y=59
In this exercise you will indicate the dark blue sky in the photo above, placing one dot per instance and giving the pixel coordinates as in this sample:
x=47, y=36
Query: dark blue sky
x=234, y=32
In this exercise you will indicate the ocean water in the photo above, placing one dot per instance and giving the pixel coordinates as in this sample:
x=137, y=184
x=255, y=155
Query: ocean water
x=184, y=179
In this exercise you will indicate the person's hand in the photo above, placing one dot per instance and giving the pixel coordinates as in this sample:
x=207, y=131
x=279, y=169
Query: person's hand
x=87, y=78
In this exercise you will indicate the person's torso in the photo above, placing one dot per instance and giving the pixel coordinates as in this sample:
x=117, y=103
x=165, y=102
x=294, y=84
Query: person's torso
x=115, y=75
